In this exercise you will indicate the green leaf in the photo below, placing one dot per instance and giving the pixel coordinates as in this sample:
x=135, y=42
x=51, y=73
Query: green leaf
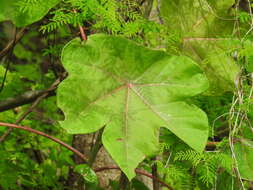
x=2, y=9
x=88, y=174
x=216, y=58
x=244, y=158
x=133, y=91
x=206, y=29
x=25, y=12
x=138, y=185
x=195, y=18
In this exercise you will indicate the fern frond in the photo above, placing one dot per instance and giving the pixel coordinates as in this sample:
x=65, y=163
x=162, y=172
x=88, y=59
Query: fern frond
x=194, y=157
x=27, y=5
x=61, y=18
x=178, y=177
x=206, y=164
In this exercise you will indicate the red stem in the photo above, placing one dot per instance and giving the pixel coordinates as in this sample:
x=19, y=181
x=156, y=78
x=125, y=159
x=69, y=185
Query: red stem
x=83, y=35
x=82, y=156
x=138, y=171
x=47, y=136
x=212, y=143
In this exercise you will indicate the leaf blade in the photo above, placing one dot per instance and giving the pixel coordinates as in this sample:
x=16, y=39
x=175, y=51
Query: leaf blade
x=132, y=93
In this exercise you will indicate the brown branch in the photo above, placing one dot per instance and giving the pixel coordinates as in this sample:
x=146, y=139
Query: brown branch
x=155, y=174
x=36, y=102
x=12, y=43
x=75, y=151
x=82, y=156
x=23, y=116
x=83, y=35
x=138, y=171
x=211, y=146
x=212, y=143
x=203, y=39
x=20, y=100
x=81, y=29
x=148, y=9
x=27, y=97
x=96, y=147
x=123, y=182
x=8, y=54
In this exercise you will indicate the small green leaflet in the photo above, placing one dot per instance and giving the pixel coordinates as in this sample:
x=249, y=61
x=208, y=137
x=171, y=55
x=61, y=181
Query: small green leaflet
x=25, y=12
x=88, y=174
x=133, y=91
x=244, y=158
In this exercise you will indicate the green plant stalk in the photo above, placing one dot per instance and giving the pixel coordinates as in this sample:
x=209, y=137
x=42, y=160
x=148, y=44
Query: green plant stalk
x=94, y=150
x=137, y=171
x=43, y=95
x=155, y=175
x=123, y=182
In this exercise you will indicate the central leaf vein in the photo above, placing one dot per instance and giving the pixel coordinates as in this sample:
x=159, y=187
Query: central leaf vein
x=159, y=84
x=125, y=130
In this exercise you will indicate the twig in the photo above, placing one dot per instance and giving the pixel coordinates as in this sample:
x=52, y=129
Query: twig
x=203, y=39
x=5, y=75
x=9, y=55
x=148, y=9
x=27, y=97
x=82, y=33
x=75, y=151
x=123, y=182
x=94, y=150
x=13, y=42
x=82, y=156
x=37, y=101
x=20, y=100
x=212, y=143
x=138, y=171
x=155, y=174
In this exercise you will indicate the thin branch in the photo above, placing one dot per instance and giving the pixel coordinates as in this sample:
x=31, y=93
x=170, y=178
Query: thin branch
x=212, y=143
x=148, y=9
x=83, y=35
x=82, y=156
x=138, y=171
x=155, y=174
x=94, y=150
x=203, y=39
x=23, y=116
x=27, y=97
x=75, y=151
x=9, y=55
x=81, y=29
x=123, y=182
x=20, y=100
x=12, y=43
x=5, y=76
x=37, y=101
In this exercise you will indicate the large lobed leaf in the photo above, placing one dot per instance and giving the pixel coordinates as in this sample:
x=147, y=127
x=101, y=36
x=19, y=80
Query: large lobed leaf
x=133, y=91
x=25, y=12
x=216, y=59
x=206, y=29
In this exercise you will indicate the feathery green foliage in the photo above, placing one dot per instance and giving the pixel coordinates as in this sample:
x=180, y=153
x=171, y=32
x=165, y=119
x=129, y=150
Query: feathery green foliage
x=217, y=35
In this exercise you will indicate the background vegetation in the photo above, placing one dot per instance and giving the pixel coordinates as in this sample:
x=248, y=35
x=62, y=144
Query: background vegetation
x=217, y=35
